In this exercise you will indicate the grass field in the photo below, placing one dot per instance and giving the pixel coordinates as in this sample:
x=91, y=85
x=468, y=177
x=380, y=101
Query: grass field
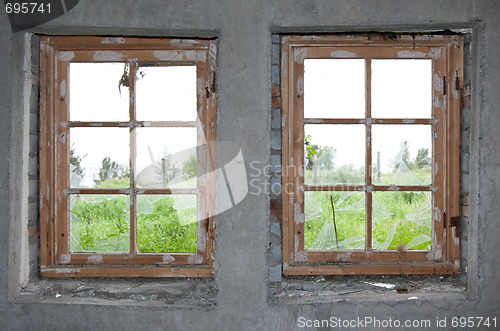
x=100, y=223
x=399, y=219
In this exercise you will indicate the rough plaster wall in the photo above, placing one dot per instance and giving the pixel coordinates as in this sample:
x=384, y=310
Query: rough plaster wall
x=241, y=272
x=488, y=157
x=5, y=106
x=244, y=116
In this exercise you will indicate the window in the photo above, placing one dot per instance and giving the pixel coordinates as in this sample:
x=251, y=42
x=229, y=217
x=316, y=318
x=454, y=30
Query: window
x=127, y=157
x=371, y=154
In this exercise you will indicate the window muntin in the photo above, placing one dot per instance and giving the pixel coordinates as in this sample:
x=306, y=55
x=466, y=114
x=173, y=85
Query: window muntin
x=411, y=101
x=108, y=106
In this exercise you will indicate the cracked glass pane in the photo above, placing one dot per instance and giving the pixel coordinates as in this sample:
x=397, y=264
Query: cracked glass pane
x=166, y=158
x=348, y=230
x=334, y=154
x=402, y=88
x=99, y=223
x=408, y=224
x=166, y=223
x=334, y=88
x=402, y=154
x=166, y=93
x=99, y=158
x=99, y=92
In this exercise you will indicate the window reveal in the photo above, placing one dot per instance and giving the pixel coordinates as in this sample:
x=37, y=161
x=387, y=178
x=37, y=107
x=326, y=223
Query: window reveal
x=373, y=155
x=124, y=126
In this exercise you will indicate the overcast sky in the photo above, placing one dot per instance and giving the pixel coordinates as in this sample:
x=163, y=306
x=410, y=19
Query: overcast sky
x=332, y=88
x=400, y=89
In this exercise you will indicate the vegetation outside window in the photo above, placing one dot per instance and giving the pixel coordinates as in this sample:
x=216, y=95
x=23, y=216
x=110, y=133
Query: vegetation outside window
x=371, y=154
x=126, y=171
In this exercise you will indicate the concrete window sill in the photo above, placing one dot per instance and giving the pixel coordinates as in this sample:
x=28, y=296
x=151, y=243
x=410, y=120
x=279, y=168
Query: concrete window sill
x=191, y=293
x=370, y=289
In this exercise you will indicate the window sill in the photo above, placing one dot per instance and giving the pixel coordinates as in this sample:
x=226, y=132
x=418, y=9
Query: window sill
x=188, y=293
x=370, y=289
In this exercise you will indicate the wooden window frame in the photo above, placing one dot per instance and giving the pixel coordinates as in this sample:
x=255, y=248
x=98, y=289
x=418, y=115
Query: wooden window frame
x=447, y=57
x=56, y=260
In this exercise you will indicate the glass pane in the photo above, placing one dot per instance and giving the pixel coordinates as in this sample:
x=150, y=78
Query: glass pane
x=166, y=157
x=166, y=223
x=166, y=93
x=402, y=154
x=407, y=225
x=99, y=92
x=348, y=230
x=334, y=154
x=334, y=88
x=402, y=88
x=99, y=223
x=99, y=157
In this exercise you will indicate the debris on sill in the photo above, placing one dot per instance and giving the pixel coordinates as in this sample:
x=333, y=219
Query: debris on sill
x=384, y=285
x=338, y=288
x=183, y=292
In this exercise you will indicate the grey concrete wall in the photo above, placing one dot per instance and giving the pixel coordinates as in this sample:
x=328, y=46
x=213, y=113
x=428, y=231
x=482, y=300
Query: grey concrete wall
x=245, y=116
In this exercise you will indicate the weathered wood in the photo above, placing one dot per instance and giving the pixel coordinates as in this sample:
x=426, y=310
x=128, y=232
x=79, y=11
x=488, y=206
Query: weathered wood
x=446, y=54
x=59, y=52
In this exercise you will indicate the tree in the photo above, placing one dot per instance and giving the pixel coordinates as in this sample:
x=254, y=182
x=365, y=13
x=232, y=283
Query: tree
x=166, y=169
x=325, y=158
x=189, y=167
x=422, y=159
x=403, y=156
x=75, y=161
x=310, y=151
x=76, y=170
x=111, y=169
x=318, y=155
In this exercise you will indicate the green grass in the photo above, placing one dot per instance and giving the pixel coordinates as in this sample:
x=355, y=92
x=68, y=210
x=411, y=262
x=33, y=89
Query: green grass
x=100, y=223
x=162, y=229
x=400, y=219
x=409, y=222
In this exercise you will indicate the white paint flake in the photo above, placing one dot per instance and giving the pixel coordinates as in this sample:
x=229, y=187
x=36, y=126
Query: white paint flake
x=95, y=259
x=342, y=54
x=410, y=54
x=108, y=56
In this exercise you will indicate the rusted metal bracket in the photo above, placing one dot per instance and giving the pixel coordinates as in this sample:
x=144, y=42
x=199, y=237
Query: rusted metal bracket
x=455, y=221
x=457, y=83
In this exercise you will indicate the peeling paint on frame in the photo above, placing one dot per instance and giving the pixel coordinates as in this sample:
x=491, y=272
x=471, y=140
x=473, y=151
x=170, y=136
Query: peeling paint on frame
x=62, y=88
x=298, y=216
x=95, y=259
x=108, y=56
x=299, y=54
x=301, y=256
x=65, y=258
x=411, y=54
x=343, y=54
x=66, y=270
x=195, y=259
x=113, y=40
x=66, y=56
x=169, y=55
